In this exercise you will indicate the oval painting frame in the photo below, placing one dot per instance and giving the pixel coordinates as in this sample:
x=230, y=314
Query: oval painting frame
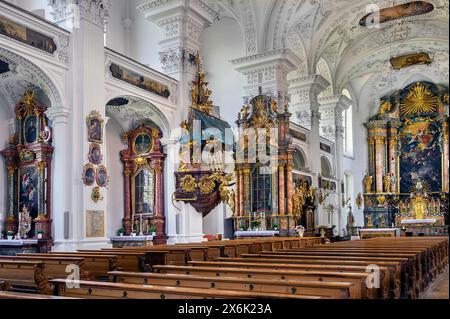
x=142, y=143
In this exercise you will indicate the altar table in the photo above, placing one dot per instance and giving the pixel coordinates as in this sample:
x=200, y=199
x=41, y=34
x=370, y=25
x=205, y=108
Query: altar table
x=379, y=232
x=256, y=233
x=131, y=241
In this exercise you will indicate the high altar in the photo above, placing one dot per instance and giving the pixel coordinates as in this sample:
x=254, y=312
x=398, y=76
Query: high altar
x=407, y=182
x=29, y=161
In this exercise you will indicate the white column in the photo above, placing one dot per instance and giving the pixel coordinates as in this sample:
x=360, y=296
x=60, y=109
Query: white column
x=305, y=91
x=59, y=117
x=86, y=20
x=269, y=71
x=182, y=22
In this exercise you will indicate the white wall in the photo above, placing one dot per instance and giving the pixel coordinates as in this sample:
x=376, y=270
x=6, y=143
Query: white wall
x=221, y=43
x=145, y=38
x=39, y=7
x=115, y=32
x=116, y=184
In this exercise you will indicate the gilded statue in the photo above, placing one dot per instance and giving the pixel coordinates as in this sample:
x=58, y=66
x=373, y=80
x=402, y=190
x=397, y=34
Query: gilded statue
x=369, y=221
x=386, y=107
x=245, y=111
x=368, y=180
x=298, y=200
x=387, y=184
x=232, y=202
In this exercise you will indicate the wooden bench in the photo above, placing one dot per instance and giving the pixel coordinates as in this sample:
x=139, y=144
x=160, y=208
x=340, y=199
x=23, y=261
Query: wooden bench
x=108, y=290
x=97, y=264
x=359, y=289
x=56, y=267
x=334, y=290
x=390, y=275
x=126, y=260
x=406, y=270
x=24, y=276
x=21, y=295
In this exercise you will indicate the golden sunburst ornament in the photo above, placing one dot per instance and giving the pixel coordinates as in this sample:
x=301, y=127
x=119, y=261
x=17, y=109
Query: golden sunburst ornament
x=419, y=100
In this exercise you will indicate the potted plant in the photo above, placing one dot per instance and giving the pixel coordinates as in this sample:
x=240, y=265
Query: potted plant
x=40, y=233
x=255, y=224
x=120, y=232
x=152, y=230
x=9, y=235
x=275, y=226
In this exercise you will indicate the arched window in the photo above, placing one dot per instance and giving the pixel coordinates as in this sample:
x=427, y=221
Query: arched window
x=348, y=185
x=299, y=161
x=326, y=170
x=261, y=190
x=347, y=119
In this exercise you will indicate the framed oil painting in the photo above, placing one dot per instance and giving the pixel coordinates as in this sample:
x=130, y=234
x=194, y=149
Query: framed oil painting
x=88, y=175
x=95, y=154
x=142, y=143
x=95, y=127
x=28, y=190
x=30, y=129
x=95, y=223
x=102, y=177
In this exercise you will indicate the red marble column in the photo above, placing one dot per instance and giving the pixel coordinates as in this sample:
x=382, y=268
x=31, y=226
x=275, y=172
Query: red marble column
x=289, y=187
x=127, y=222
x=241, y=193
x=281, y=190
x=379, y=145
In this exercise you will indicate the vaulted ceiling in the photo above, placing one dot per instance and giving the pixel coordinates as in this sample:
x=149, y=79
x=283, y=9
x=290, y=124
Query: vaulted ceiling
x=330, y=29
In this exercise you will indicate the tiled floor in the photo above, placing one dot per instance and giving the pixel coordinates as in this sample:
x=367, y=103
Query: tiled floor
x=439, y=288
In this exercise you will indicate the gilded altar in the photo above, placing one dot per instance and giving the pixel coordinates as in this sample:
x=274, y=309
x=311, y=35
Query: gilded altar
x=407, y=177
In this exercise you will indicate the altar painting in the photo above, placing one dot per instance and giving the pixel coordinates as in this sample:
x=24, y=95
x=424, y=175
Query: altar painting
x=28, y=192
x=420, y=157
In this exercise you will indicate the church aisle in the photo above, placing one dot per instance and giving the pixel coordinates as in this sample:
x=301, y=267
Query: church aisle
x=439, y=288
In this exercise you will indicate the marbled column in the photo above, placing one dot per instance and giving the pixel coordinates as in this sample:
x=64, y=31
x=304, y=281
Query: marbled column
x=241, y=193
x=393, y=156
x=372, y=165
x=289, y=188
x=379, y=154
x=11, y=170
x=127, y=223
x=159, y=187
x=275, y=193
x=281, y=190
x=247, y=204
x=445, y=155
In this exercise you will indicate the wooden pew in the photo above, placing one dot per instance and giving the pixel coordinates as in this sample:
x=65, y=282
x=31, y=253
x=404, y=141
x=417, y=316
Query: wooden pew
x=27, y=296
x=25, y=276
x=390, y=273
x=407, y=271
x=97, y=264
x=126, y=261
x=157, y=255
x=108, y=290
x=359, y=289
x=56, y=267
x=334, y=290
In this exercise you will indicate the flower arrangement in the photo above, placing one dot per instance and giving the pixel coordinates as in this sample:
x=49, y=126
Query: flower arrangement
x=255, y=224
x=300, y=230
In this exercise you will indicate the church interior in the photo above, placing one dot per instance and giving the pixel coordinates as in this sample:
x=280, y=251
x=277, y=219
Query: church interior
x=224, y=149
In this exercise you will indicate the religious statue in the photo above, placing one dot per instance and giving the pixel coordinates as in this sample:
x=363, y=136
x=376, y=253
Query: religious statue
x=369, y=221
x=24, y=222
x=350, y=218
x=387, y=184
x=368, y=180
x=383, y=221
x=232, y=202
x=298, y=200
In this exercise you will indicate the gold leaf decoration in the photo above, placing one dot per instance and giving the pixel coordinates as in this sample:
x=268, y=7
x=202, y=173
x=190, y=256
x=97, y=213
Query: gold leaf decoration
x=188, y=184
x=206, y=185
x=419, y=100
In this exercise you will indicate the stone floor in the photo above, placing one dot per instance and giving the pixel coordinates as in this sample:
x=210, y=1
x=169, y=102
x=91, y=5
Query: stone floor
x=439, y=288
